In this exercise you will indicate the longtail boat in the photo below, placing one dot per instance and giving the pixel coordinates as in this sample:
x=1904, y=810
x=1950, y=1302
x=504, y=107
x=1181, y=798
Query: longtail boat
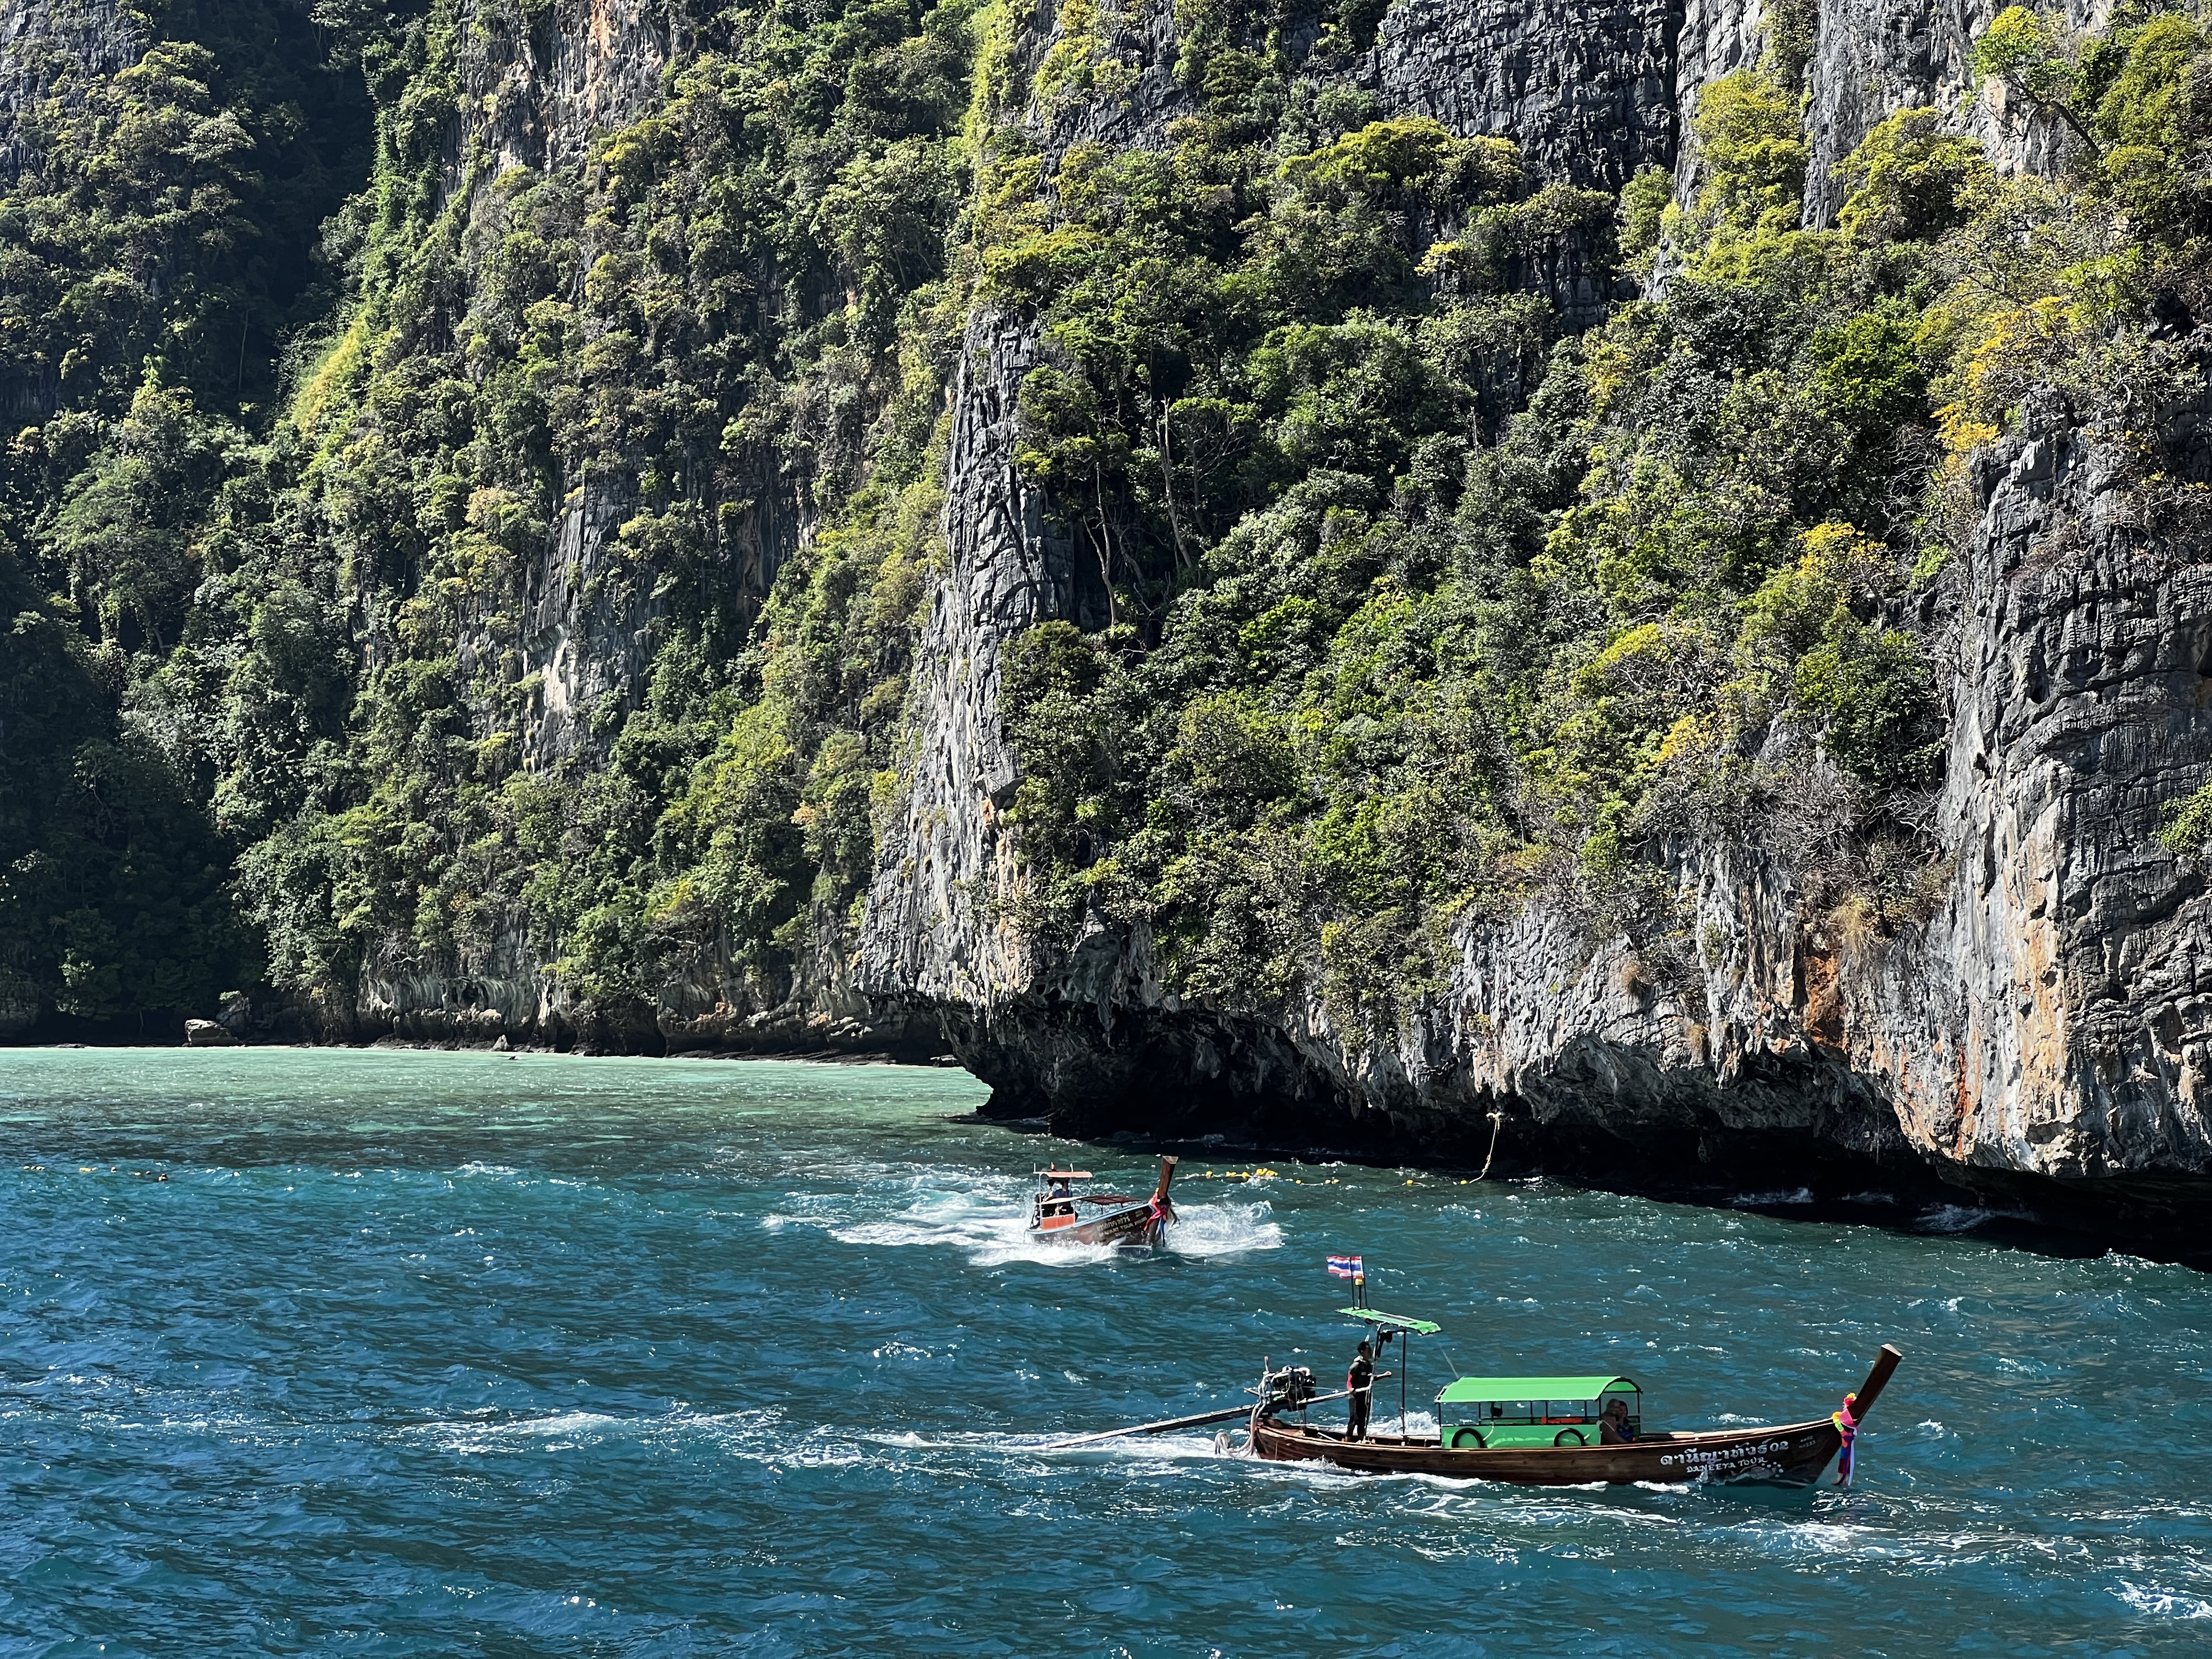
x=1531, y=1431
x=1553, y=1431
x=1056, y=1214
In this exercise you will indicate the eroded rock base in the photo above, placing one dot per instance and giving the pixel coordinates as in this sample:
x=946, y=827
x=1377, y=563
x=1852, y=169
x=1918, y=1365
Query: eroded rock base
x=1800, y=1138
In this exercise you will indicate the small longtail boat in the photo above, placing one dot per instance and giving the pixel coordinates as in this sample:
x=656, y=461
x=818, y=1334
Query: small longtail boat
x=1056, y=1214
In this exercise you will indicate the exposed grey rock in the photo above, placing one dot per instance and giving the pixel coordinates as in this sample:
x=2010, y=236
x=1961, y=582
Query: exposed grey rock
x=2055, y=1020
x=41, y=40
x=1718, y=37
x=1586, y=88
x=1874, y=57
x=207, y=1034
x=931, y=930
x=1135, y=95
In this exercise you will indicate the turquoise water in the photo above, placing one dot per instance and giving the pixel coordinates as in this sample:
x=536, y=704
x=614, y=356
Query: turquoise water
x=420, y=1353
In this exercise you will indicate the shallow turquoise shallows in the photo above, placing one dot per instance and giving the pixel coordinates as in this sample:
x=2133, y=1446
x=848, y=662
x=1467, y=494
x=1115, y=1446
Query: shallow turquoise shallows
x=420, y=1353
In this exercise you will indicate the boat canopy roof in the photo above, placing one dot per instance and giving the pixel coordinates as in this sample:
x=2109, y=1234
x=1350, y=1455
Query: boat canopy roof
x=1395, y=1321
x=1469, y=1390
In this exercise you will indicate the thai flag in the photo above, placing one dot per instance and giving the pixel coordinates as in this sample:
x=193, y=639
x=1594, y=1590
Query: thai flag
x=1347, y=1266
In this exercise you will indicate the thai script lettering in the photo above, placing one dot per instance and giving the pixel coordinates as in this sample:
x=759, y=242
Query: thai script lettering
x=1709, y=1456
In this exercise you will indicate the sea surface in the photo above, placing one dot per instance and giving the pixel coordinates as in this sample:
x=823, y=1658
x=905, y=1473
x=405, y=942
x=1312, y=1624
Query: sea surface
x=398, y=1354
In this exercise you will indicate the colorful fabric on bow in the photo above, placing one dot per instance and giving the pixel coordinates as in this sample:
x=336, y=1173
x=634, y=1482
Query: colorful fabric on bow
x=1847, y=1426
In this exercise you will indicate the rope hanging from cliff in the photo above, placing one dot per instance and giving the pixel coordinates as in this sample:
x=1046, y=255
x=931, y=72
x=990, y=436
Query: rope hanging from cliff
x=1497, y=1122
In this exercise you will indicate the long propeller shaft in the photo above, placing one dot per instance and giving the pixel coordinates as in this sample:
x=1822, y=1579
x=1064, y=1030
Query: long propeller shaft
x=1167, y=1425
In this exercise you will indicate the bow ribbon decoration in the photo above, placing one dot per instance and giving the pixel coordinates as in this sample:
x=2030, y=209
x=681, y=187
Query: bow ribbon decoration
x=1847, y=1426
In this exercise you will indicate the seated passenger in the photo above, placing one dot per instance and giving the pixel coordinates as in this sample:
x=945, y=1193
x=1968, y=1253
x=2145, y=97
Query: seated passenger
x=1613, y=1428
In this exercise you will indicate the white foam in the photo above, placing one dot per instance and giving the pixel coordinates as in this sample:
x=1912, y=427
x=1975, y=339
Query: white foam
x=1955, y=1218
x=991, y=1237
x=1210, y=1230
x=753, y=1436
x=2164, y=1604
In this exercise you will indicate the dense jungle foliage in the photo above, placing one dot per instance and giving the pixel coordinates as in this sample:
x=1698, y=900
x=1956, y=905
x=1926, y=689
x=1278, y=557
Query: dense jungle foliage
x=1381, y=655
x=336, y=378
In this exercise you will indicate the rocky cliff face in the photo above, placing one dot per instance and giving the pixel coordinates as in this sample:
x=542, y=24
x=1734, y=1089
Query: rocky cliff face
x=1591, y=92
x=2050, y=1020
x=40, y=41
x=544, y=93
x=537, y=92
x=2040, y=1034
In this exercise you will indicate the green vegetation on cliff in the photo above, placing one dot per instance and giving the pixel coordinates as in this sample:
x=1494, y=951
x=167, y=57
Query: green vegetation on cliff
x=726, y=314
x=439, y=547
x=158, y=239
x=1381, y=656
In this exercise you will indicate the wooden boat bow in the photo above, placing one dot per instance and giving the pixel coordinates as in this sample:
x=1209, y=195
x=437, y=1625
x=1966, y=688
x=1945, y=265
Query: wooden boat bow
x=1877, y=1381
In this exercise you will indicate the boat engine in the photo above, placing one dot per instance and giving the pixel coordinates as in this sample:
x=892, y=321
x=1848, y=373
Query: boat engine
x=1286, y=1390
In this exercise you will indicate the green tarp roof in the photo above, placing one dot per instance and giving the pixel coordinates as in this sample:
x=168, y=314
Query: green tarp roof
x=1398, y=1322
x=1469, y=1389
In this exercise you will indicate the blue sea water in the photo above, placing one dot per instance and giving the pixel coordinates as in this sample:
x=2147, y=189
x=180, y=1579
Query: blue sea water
x=418, y=1353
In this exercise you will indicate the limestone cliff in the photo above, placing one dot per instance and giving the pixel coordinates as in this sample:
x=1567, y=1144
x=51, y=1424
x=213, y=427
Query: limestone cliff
x=536, y=93
x=2040, y=1033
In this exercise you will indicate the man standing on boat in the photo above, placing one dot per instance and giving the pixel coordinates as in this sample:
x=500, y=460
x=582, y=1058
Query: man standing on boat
x=1360, y=1380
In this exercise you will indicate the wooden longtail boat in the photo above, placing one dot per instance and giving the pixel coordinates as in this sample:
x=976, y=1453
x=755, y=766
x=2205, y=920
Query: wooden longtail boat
x=1056, y=1215
x=1787, y=1453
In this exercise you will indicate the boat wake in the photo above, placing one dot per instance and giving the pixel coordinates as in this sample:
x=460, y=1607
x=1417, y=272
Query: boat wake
x=986, y=1218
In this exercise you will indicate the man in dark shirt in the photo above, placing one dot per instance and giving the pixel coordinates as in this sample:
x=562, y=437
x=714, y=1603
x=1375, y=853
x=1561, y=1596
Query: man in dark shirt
x=1613, y=1428
x=1360, y=1379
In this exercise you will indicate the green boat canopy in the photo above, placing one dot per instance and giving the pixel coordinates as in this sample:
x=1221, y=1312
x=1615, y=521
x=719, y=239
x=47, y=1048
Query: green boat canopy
x=1471, y=1390
x=1396, y=1322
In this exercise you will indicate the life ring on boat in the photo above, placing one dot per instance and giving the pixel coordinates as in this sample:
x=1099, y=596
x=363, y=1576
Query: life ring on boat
x=1467, y=1440
x=1569, y=1436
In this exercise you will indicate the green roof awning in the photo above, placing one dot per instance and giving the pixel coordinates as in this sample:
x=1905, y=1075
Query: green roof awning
x=1397, y=1321
x=1469, y=1390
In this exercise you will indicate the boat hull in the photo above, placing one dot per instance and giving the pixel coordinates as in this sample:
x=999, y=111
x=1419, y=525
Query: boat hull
x=1140, y=1224
x=1789, y=1455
